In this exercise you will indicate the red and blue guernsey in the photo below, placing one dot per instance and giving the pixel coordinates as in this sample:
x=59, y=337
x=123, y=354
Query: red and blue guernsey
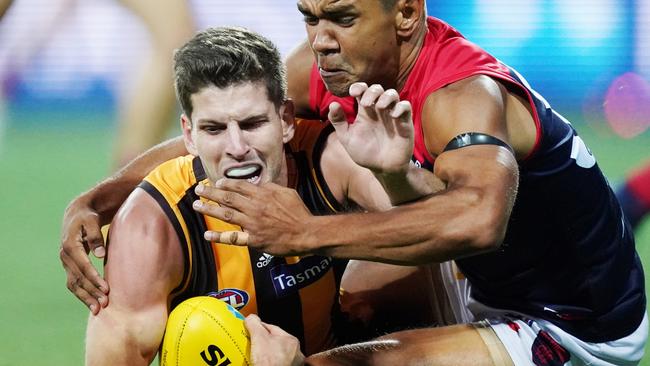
x=568, y=256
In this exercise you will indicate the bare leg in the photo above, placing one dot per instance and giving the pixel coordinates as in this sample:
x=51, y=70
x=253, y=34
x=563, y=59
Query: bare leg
x=147, y=109
x=457, y=345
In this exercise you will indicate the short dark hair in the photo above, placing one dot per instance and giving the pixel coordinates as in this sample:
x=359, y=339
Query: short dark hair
x=225, y=56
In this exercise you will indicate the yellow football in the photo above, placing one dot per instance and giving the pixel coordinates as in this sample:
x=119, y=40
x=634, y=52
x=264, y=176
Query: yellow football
x=205, y=331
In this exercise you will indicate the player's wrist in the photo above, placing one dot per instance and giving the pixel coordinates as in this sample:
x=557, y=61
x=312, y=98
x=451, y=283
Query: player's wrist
x=393, y=179
x=317, y=236
x=103, y=201
x=299, y=360
x=393, y=171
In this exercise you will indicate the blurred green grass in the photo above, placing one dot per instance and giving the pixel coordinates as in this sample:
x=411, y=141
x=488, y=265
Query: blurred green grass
x=42, y=168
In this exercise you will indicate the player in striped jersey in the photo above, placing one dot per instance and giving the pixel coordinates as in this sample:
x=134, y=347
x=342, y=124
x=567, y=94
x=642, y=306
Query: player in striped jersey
x=237, y=123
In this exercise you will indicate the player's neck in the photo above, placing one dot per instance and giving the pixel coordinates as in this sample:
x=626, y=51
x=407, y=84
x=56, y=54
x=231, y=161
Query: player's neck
x=410, y=50
x=288, y=173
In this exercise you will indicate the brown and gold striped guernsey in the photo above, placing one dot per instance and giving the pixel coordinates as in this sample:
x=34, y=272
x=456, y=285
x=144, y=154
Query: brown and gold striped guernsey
x=299, y=294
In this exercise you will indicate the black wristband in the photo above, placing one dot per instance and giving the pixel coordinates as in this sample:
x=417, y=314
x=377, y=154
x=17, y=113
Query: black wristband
x=475, y=138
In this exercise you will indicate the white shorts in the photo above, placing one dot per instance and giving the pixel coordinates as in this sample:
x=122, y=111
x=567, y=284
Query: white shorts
x=537, y=342
x=532, y=341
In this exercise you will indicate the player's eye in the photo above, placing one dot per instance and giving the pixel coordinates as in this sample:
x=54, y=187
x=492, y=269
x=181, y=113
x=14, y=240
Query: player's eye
x=213, y=129
x=251, y=125
x=345, y=21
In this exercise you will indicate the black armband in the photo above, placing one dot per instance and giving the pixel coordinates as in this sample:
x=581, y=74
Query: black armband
x=475, y=138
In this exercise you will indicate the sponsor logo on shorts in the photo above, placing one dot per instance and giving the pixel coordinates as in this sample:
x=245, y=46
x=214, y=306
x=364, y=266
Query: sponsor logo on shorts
x=289, y=278
x=214, y=356
x=232, y=296
x=547, y=352
x=264, y=260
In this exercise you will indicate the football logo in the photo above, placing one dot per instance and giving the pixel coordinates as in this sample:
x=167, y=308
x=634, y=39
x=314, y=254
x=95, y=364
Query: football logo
x=232, y=296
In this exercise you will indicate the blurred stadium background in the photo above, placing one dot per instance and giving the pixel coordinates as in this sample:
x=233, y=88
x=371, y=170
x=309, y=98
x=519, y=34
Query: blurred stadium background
x=63, y=64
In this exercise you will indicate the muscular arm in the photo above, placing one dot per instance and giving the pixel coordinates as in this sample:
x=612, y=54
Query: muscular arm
x=144, y=264
x=87, y=213
x=468, y=217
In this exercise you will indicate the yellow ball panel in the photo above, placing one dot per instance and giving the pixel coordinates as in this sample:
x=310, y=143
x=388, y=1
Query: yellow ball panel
x=205, y=331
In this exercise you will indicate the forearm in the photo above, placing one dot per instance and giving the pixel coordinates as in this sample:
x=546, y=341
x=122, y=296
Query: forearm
x=468, y=217
x=435, y=229
x=107, y=197
x=411, y=185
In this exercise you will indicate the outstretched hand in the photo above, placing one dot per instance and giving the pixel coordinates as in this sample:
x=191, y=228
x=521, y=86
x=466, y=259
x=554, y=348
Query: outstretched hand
x=381, y=137
x=273, y=217
x=81, y=233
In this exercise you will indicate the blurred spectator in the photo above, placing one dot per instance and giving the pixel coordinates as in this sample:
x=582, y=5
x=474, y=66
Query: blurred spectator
x=147, y=108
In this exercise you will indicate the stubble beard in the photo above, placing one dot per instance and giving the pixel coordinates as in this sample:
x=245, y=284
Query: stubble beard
x=340, y=90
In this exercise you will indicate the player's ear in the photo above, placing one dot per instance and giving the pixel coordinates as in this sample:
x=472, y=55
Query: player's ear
x=288, y=120
x=409, y=13
x=186, y=126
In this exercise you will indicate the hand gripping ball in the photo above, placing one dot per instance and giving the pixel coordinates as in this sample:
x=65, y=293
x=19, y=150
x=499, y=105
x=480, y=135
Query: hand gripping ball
x=205, y=331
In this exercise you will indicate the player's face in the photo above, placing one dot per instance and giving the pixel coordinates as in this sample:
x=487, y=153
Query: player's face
x=239, y=133
x=352, y=40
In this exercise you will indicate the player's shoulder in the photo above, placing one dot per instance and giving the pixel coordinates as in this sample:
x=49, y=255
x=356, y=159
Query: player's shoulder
x=139, y=208
x=475, y=104
x=309, y=135
x=174, y=177
x=181, y=166
x=471, y=85
x=477, y=91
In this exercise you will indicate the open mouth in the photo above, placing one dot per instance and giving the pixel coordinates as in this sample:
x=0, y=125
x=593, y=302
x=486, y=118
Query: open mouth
x=250, y=172
x=329, y=72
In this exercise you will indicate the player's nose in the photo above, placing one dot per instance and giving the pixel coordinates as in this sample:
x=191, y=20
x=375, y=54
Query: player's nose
x=237, y=145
